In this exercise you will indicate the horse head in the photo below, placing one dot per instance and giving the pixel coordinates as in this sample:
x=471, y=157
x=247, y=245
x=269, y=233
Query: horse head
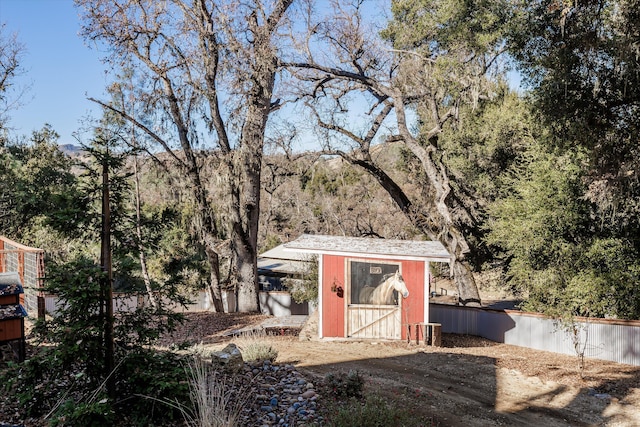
x=399, y=285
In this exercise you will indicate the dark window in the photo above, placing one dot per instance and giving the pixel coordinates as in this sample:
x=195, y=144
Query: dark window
x=369, y=275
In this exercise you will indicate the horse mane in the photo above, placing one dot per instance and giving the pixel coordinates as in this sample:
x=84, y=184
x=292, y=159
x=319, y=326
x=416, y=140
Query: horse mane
x=388, y=275
x=380, y=294
x=366, y=294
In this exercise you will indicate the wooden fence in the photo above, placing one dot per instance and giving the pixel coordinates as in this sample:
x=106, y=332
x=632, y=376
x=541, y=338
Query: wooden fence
x=29, y=264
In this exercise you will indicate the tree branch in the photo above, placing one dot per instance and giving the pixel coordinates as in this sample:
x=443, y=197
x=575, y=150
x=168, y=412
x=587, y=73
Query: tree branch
x=140, y=126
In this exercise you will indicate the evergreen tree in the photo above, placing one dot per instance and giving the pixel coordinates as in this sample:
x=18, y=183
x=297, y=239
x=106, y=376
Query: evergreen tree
x=37, y=179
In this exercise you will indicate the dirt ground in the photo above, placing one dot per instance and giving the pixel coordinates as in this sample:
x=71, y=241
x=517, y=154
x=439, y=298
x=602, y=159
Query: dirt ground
x=468, y=381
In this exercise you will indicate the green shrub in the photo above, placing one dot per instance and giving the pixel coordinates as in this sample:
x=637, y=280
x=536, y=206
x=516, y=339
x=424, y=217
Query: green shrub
x=148, y=377
x=29, y=383
x=341, y=386
x=374, y=411
x=305, y=288
x=93, y=414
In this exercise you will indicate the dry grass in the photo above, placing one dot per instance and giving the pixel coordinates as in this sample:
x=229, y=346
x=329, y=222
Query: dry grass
x=255, y=346
x=213, y=403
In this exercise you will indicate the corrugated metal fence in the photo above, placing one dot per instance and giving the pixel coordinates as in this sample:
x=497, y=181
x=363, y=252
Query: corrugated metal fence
x=614, y=340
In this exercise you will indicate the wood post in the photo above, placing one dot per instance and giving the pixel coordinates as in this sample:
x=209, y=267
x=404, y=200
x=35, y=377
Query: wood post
x=431, y=333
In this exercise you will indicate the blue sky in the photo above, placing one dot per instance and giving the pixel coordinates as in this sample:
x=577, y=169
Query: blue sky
x=59, y=68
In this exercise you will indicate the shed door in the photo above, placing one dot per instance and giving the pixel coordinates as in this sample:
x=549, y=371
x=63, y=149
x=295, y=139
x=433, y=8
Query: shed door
x=367, y=318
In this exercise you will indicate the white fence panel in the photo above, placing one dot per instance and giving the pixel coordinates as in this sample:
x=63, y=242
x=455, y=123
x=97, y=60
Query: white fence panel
x=129, y=303
x=272, y=303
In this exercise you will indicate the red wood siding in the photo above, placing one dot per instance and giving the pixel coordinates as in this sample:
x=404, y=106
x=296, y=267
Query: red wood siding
x=11, y=329
x=413, y=306
x=9, y=299
x=333, y=305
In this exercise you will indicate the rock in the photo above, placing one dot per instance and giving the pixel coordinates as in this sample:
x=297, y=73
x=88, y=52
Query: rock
x=602, y=396
x=309, y=331
x=276, y=396
x=308, y=394
x=229, y=359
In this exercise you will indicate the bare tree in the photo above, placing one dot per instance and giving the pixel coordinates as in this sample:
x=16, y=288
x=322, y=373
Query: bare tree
x=342, y=63
x=11, y=51
x=207, y=74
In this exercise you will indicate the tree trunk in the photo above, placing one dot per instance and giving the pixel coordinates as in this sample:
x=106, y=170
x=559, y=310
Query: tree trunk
x=141, y=248
x=214, y=291
x=245, y=228
x=247, y=276
x=246, y=195
x=466, y=284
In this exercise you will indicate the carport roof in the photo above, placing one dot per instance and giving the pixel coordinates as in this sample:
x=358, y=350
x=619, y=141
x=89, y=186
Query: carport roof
x=369, y=247
x=278, y=260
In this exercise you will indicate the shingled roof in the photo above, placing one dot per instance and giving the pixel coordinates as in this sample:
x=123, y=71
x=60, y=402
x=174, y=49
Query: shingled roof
x=369, y=247
x=10, y=284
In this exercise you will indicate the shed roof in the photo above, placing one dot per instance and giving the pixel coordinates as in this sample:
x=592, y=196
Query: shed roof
x=279, y=260
x=369, y=247
x=10, y=284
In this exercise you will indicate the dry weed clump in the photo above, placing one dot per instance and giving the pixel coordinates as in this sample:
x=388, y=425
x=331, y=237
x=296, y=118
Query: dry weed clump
x=214, y=404
x=254, y=346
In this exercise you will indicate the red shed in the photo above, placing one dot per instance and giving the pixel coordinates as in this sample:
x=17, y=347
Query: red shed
x=355, y=278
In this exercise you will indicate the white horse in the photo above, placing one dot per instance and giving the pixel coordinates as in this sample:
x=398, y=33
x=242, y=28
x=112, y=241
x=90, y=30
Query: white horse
x=383, y=293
